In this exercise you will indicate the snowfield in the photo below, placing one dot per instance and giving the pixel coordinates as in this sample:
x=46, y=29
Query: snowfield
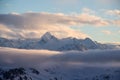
x=54, y=65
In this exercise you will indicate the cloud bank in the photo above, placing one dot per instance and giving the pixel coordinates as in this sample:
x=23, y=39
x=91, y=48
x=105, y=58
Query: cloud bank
x=30, y=58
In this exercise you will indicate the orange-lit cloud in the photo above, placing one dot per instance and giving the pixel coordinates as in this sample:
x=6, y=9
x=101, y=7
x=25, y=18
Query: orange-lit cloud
x=29, y=25
x=116, y=22
x=115, y=12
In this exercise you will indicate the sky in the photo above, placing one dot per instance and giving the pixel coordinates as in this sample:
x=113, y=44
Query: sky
x=97, y=19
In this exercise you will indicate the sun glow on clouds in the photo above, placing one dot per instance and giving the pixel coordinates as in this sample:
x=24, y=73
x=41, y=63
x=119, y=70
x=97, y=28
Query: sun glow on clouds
x=113, y=12
x=34, y=25
x=106, y=32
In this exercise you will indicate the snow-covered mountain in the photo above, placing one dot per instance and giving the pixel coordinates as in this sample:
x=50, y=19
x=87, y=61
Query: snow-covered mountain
x=47, y=37
x=18, y=74
x=50, y=42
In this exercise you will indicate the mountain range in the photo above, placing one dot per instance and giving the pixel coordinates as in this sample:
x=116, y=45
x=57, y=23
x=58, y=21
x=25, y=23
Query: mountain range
x=50, y=42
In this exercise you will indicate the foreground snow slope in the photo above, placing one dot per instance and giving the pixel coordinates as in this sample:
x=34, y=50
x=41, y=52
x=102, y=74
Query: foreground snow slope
x=59, y=72
x=21, y=64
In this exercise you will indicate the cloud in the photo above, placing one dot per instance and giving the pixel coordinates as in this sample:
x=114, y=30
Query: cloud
x=21, y=57
x=86, y=18
x=116, y=43
x=16, y=57
x=96, y=56
x=34, y=25
x=116, y=22
x=37, y=24
x=87, y=10
x=106, y=32
x=23, y=25
x=108, y=2
x=5, y=32
x=115, y=12
x=119, y=31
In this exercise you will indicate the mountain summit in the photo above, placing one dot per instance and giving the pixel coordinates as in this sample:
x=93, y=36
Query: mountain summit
x=90, y=43
x=47, y=37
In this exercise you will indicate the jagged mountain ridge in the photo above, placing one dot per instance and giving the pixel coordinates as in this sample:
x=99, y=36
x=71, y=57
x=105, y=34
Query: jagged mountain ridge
x=50, y=42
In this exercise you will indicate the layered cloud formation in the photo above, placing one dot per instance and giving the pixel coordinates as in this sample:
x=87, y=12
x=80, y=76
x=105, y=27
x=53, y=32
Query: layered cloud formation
x=33, y=25
x=29, y=25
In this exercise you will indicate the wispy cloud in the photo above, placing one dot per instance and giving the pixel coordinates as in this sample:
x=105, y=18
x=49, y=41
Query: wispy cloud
x=66, y=2
x=116, y=22
x=87, y=10
x=115, y=12
x=86, y=18
x=119, y=31
x=35, y=24
x=107, y=32
x=54, y=22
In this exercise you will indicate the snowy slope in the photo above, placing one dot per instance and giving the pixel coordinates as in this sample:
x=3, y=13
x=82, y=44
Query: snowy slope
x=59, y=72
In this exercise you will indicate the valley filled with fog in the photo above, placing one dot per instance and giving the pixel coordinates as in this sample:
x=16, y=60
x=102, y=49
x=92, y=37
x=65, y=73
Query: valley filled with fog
x=23, y=57
x=63, y=65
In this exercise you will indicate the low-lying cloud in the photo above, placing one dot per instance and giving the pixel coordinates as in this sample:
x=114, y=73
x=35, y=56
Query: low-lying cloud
x=20, y=57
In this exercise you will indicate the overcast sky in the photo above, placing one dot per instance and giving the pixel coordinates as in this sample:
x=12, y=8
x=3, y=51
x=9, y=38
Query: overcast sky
x=97, y=19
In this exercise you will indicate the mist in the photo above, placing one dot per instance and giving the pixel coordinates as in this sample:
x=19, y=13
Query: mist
x=10, y=57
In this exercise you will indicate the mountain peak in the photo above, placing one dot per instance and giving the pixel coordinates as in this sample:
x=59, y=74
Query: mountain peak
x=47, y=34
x=90, y=43
x=88, y=39
x=47, y=37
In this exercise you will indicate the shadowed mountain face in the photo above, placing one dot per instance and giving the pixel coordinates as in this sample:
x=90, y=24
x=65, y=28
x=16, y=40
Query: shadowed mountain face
x=50, y=42
x=47, y=37
x=17, y=74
